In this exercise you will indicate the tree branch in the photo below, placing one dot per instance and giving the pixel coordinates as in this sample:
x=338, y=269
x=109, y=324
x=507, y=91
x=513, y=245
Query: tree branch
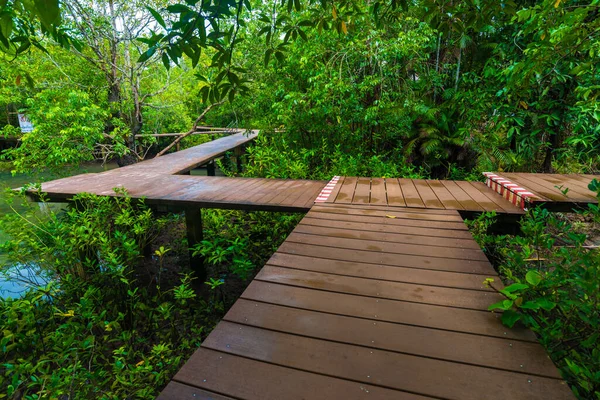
x=194, y=128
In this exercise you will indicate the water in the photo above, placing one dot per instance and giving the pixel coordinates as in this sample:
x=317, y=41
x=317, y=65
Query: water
x=13, y=288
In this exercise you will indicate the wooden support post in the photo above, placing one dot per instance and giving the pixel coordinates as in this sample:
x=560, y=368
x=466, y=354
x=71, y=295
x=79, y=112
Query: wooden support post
x=193, y=224
x=238, y=152
x=210, y=168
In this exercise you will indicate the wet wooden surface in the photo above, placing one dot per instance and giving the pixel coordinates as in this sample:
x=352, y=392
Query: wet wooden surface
x=370, y=303
x=157, y=181
x=420, y=193
x=555, y=188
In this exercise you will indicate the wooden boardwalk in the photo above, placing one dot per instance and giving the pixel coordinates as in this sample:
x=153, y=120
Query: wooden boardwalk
x=156, y=181
x=365, y=302
x=554, y=191
x=420, y=193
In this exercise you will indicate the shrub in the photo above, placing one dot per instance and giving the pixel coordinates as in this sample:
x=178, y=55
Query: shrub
x=100, y=328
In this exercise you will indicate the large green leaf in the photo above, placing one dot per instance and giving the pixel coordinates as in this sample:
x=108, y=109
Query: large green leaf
x=48, y=11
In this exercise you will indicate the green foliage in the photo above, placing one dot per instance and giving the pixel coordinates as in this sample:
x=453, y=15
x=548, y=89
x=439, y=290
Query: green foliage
x=67, y=128
x=95, y=330
x=241, y=241
x=554, y=290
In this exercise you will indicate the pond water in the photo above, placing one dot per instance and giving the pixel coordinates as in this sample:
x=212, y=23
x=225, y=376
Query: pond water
x=12, y=288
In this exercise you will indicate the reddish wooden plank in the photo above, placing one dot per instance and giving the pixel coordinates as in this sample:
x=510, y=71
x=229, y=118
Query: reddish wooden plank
x=386, y=237
x=176, y=390
x=247, y=379
x=521, y=357
x=362, y=192
x=447, y=199
x=385, y=247
x=463, y=197
x=411, y=194
x=479, y=197
x=429, y=198
x=391, y=259
x=347, y=190
x=394, y=193
x=545, y=190
x=409, y=373
x=336, y=190
x=396, y=212
x=378, y=191
x=438, y=317
x=503, y=204
x=441, y=296
x=312, y=220
x=381, y=272
x=445, y=225
x=575, y=193
x=405, y=210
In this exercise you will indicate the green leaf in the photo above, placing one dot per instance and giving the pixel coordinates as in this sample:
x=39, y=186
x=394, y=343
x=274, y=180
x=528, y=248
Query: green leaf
x=165, y=61
x=533, y=277
x=6, y=26
x=546, y=304
x=515, y=287
x=147, y=54
x=501, y=305
x=157, y=17
x=49, y=11
x=509, y=318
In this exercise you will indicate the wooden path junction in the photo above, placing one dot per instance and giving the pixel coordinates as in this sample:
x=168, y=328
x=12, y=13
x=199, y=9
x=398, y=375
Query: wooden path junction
x=377, y=294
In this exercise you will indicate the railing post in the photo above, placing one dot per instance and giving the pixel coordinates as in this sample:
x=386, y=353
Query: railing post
x=210, y=168
x=193, y=224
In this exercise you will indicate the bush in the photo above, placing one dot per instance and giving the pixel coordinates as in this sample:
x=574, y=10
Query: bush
x=103, y=326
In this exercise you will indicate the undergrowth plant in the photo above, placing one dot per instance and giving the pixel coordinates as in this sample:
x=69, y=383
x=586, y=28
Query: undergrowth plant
x=100, y=328
x=553, y=288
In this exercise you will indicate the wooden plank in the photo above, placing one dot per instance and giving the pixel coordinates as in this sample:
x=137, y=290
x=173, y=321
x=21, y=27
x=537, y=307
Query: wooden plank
x=429, y=198
x=247, y=379
x=397, y=212
x=387, y=237
x=575, y=193
x=411, y=194
x=394, y=193
x=311, y=191
x=446, y=225
x=378, y=191
x=545, y=191
x=429, y=211
x=521, y=357
x=463, y=197
x=441, y=296
x=404, y=372
x=385, y=247
x=479, y=197
x=503, y=204
x=445, y=197
x=374, y=309
x=347, y=190
x=336, y=190
x=176, y=390
x=311, y=220
x=391, y=259
x=362, y=192
x=382, y=272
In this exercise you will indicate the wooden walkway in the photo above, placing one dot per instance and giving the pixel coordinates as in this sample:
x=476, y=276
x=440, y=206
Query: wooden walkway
x=365, y=302
x=156, y=181
x=420, y=193
x=554, y=191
